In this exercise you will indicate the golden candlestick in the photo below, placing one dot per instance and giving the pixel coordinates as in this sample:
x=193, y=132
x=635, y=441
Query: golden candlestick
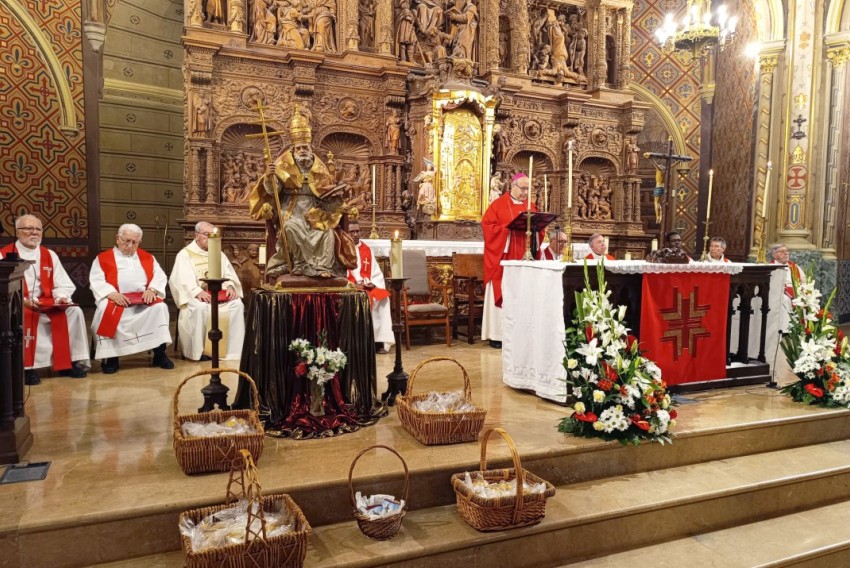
x=705, y=238
x=567, y=254
x=761, y=258
x=527, y=255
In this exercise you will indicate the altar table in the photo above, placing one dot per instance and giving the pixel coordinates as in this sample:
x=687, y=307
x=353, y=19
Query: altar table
x=275, y=318
x=539, y=298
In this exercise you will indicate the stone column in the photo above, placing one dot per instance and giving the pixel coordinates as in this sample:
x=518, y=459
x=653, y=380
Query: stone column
x=210, y=190
x=384, y=26
x=194, y=13
x=837, y=55
x=488, y=36
x=626, y=51
x=520, y=36
x=236, y=15
x=768, y=62
x=349, y=11
x=195, y=182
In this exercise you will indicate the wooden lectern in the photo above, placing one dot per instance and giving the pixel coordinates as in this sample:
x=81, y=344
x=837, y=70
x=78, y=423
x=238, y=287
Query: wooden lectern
x=15, y=435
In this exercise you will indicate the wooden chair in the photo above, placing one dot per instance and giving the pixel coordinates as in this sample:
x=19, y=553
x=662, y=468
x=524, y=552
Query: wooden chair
x=416, y=302
x=468, y=293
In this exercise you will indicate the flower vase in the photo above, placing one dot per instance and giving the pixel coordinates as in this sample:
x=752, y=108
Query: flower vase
x=317, y=394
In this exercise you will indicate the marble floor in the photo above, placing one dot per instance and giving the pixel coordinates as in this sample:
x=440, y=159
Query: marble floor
x=109, y=437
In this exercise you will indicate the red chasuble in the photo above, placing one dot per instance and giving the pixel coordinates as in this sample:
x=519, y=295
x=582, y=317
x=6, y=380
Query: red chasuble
x=366, y=262
x=58, y=319
x=683, y=325
x=496, y=236
x=548, y=254
x=113, y=312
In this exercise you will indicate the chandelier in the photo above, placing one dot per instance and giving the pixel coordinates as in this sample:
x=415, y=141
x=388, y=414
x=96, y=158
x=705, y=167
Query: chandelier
x=700, y=31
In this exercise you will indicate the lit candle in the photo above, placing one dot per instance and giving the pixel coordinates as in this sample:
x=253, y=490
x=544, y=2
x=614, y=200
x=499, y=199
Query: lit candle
x=262, y=258
x=396, y=258
x=570, y=175
x=654, y=244
x=374, y=194
x=530, y=179
x=766, y=187
x=545, y=192
x=214, y=253
x=710, y=183
x=627, y=256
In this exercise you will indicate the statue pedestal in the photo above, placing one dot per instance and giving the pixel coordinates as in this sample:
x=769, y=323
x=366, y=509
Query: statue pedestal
x=288, y=281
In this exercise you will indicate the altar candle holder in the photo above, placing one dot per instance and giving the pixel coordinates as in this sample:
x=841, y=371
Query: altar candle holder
x=215, y=393
x=527, y=255
x=397, y=380
x=567, y=255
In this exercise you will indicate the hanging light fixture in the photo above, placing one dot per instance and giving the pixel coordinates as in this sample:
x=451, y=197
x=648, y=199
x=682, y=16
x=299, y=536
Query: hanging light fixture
x=699, y=32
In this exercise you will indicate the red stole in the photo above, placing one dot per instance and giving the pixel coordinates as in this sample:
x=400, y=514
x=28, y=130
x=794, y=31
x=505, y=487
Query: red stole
x=796, y=273
x=494, y=225
x=375, y=294
x=591, y=257
x=113, y=312
x=58, y=319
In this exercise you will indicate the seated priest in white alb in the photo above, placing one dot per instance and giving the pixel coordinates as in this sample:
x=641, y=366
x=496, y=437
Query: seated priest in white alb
x=554, y=248
x=368, y=275
x=129, y=288
x=193, y=299
x=54, y=331
x=716, y=248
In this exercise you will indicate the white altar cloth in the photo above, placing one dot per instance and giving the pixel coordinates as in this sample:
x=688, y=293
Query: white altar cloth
x=534, y=330
x=381, y=247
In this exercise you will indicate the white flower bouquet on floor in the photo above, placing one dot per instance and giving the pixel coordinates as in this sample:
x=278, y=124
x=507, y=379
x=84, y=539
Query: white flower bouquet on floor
x=316, y=362
x=618, y=394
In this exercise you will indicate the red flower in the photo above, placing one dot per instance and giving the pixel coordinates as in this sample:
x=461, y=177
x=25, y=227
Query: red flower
x=814, y=391
x=586, y=417
x=630, y=340
x=673, y=413
x=834, y=379
x=301, y=369
x=605, y=384
x=636, y=420
x=588, y=333
x=610, y=372
x=808, y=330
x=623, y=390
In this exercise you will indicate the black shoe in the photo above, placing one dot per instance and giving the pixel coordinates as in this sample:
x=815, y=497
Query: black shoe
x=205, y=358
x=495, y=344
x=160, y=359
x=31, y=377
x=77, y=371
x=110, y=366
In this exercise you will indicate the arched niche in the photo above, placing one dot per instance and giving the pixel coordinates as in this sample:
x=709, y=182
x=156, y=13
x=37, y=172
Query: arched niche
x=351, y=155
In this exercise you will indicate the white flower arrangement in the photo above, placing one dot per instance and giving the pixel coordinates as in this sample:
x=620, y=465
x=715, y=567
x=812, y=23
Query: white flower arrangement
x=317, y=363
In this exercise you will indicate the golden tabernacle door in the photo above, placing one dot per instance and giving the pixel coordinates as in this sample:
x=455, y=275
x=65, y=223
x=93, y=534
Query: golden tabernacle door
x=463, y=121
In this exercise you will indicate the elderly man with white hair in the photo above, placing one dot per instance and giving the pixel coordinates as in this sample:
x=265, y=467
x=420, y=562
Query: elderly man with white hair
x=193, y=299
x=54, y=329
x=129, y=288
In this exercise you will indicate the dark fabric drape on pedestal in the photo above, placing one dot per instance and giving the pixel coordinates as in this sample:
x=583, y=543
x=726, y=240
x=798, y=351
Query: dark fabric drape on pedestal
x=274, y=320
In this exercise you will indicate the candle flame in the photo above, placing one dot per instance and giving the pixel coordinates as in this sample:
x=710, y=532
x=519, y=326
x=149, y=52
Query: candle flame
x=770, y=165
x=711, y=172
x=215, y=232
x=396, y=233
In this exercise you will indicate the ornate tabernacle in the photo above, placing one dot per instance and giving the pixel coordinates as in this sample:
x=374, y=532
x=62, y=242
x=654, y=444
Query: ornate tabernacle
x=439, y=102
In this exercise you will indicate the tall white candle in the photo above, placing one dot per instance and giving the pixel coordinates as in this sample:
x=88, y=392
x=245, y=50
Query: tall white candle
x=766, y=188
x=545, y=192
x=396, y=257
x=530, y=179
x=261, y=260
x=214, y=253
x=570, y=175
x=710, y=184
x=654, y=244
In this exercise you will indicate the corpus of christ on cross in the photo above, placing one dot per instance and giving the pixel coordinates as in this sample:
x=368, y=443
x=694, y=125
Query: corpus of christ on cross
x=665, y=163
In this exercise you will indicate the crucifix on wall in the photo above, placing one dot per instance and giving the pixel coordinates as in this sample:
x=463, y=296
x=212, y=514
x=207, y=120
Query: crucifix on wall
x=664, y=166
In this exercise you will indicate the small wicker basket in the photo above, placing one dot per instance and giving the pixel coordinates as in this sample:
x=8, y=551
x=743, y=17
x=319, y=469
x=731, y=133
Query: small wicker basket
x=434, y=428
x=501, y=513
x=216, y=453
x=386, y=528
x=258, y=550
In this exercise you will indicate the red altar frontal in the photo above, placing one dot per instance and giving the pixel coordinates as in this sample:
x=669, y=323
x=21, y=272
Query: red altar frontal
x=291, y=405
x=704, y=324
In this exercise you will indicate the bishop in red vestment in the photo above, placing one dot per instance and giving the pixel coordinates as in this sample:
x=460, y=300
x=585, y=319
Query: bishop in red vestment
x=500, y=243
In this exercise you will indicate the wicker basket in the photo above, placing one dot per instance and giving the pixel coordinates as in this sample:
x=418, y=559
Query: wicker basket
x=258, y=550
x=433, y=428
x=502, y=512
x=386, y=528
x=216, y=453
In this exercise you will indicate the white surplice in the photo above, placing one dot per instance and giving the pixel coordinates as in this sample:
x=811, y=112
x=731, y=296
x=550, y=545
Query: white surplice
x=141, y=328
x=63, y=288
x=193, y=322
x=382, y=321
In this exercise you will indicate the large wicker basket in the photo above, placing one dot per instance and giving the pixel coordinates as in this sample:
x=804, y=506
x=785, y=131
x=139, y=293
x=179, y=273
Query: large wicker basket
x=216, y=453
x=386, y=528
x=501, y=513
x=433, y=428
x=258, y=550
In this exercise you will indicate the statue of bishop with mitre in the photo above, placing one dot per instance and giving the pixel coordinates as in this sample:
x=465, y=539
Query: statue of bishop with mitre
x=298, y=196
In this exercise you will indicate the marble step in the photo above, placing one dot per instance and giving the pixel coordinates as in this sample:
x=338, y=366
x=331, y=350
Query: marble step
x=635, y=510
x=817, y=537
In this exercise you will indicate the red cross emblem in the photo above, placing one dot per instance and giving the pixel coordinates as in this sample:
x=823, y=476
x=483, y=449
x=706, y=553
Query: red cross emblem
x=684, y=322
x=796, y=178
x=366, y=263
